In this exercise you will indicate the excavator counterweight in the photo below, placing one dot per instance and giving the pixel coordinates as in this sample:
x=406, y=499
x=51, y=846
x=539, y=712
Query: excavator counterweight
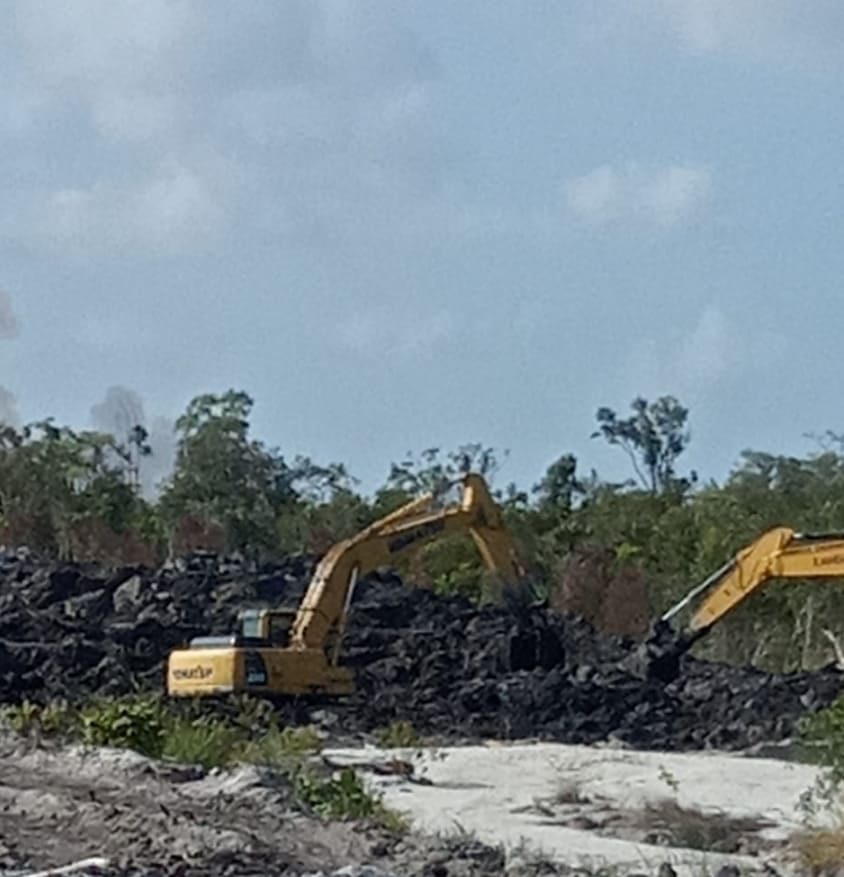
x=283, y=652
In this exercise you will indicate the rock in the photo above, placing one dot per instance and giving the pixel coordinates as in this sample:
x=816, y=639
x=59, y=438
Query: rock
x=127, y=596
x=361, y=871
x=449, y=668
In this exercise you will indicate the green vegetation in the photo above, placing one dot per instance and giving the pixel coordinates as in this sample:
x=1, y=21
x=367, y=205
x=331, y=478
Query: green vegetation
x=75, y=495
x=821, y=738
x=153, y=727
x=343, y=796
x=398, y=735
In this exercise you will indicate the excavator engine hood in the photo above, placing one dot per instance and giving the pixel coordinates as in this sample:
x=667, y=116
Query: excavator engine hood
x=205, y=669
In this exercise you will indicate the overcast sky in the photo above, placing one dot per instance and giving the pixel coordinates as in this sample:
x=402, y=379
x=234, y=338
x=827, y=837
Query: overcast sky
x=400, y=225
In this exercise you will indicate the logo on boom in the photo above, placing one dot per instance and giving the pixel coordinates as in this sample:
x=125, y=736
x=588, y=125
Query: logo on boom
x=423, y=531
x=830, y=560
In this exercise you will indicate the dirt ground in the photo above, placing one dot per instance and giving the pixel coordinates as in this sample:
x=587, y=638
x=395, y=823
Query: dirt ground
x=528, y=810
x=609, y=810
x=59, y=806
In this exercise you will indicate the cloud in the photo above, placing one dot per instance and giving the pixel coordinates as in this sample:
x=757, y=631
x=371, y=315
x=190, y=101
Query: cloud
x=306, y=108
x=704, y=358
x=705, y=354
x=689, y=363
x=172, y=208
x=8, y=408
x=785, y=31
x=662, y=196
x=9, y=327
x=385, y=333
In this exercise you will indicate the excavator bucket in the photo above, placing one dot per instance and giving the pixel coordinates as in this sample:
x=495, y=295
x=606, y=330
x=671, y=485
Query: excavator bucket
x=658, y=657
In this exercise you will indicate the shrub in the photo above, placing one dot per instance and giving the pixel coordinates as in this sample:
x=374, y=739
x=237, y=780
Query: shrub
x=343, y=797
x=125, y=723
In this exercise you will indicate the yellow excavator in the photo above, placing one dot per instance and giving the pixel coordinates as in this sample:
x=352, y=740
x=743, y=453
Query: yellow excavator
x=779, y=553
x=296, y=652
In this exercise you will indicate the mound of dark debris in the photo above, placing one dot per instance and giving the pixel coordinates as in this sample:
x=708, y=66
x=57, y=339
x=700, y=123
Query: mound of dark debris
x=452, y=669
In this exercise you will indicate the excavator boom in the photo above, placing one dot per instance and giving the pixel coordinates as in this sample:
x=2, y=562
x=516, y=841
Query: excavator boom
x=779, y=553
x=394, y=537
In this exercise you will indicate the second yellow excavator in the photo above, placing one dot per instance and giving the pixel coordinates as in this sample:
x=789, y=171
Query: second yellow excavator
x=779, y=553
x=296, y=652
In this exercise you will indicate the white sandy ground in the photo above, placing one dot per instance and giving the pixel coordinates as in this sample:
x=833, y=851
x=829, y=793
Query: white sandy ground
x=517, y=795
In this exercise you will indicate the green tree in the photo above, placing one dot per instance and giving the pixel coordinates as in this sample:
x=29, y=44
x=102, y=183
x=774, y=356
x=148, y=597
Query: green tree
x=222, y=474
x=53, y=478
x=560, y=485
x=450, y=564
x=653, y=437
x=431, y=472
x=327, y=507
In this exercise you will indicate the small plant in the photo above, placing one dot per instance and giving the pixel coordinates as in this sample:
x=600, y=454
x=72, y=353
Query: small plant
x=282, y=748
x=668, y=778
x=204, y=741
x=23, y=718
x=126, y=723
x=343, y=797
x=58, y=718
x=29, y=718
x=570, y=792
x=398, y=735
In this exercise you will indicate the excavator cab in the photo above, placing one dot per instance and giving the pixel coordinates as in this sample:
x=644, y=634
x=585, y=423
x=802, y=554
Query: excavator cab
x=273, y=626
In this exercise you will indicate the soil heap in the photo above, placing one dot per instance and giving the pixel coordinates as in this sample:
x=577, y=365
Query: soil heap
x=452, y=669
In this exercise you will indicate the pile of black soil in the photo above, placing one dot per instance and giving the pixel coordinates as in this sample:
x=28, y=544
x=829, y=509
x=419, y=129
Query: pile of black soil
x=452, y=669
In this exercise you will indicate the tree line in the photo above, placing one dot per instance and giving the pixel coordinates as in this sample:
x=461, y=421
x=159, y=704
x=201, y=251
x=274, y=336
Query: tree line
x=616, y=552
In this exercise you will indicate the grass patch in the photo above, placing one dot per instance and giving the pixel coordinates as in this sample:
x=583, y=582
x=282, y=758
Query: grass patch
x=202, y=741
x=55, y=719
x=343, y=796
x=670, y=824
x=822, y=851
x=159, y=729
x=569, y=792
x=281, y=747
x=398, y=735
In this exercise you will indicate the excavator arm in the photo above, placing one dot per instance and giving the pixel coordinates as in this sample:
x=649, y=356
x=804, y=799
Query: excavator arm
x=779, y=553
x=392, y=538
